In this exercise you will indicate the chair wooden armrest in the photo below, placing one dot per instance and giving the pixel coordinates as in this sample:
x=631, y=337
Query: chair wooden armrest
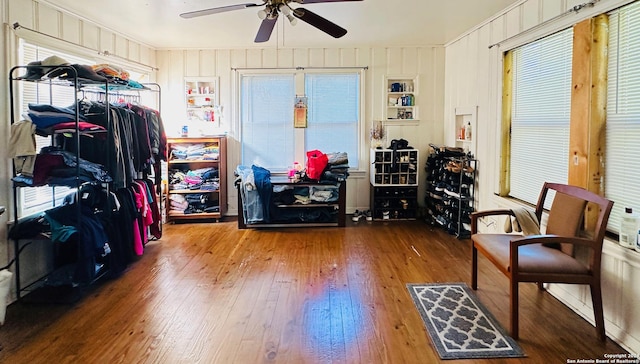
x=552, y=239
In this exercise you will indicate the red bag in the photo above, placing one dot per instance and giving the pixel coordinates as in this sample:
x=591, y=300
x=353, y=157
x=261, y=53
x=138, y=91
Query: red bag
x=316, y=163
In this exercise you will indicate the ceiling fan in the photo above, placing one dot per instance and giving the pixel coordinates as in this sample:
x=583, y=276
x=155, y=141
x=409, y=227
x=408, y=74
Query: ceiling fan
x=271, y=11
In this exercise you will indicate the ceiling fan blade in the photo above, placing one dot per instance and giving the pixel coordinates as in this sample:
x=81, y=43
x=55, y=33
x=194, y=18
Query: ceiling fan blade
x=222, y=9
x=319, y=22
x=320, y=1
x=266, y=28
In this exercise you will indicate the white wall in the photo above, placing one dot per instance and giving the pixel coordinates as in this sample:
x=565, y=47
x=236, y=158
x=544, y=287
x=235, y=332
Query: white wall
x=425, y=62
x=66, y=33
x=473, y=77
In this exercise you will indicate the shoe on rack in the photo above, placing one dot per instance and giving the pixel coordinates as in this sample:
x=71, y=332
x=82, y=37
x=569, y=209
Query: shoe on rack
x=368, y=215
x=385, y=215
x=357, y=215
x=451, y=192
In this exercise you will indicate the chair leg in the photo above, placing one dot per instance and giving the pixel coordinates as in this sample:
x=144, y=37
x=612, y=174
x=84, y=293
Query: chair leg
x=541, y=286
x=598, y=315
x=474, y=267
x=514, y=308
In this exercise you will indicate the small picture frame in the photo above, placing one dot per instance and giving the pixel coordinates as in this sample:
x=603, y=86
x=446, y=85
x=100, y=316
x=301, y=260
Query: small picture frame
x=300, y=112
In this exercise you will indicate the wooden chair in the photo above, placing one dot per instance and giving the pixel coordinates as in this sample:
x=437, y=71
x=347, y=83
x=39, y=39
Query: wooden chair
x=549, y=258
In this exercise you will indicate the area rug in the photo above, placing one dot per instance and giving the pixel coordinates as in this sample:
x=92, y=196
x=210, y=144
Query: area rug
x=459, y=326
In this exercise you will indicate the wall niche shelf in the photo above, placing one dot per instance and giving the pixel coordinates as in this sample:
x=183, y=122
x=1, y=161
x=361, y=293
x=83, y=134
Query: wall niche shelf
x=400, y=99
x=202, y=106
x=465, y=116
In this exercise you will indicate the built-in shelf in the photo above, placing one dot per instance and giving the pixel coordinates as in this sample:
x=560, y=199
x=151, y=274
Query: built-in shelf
x=465, y=117
x=202, y=106
x=400, y=98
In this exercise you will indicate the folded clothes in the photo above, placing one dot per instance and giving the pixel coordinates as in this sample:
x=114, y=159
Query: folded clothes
x=45, y=119
x=175, y=205
x=55, y=109
x=337, y=158
x=177, y=197
x=82, y=125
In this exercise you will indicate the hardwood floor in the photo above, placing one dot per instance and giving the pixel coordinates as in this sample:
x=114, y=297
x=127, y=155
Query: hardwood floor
x=210, y=293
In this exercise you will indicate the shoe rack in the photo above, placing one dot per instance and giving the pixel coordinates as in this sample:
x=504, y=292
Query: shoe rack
x=449, y=197
x=394, y=184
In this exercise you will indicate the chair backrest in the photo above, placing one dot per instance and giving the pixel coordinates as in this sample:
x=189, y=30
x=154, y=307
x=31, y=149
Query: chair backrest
x=566, y=216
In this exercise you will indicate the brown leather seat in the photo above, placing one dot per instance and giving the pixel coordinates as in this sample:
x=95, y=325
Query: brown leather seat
x=549, y=258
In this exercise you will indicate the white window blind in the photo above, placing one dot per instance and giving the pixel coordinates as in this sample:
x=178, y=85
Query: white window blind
x=37, y=199
x=266, y=113
x=269, y=138
x=334, y=111
x=622, y=172
x=541, y=107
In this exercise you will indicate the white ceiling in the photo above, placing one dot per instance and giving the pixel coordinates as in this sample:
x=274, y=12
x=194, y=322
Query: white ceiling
x=157, y=23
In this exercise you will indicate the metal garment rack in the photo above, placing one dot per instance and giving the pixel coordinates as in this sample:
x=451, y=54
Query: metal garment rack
x=81, y=86
x=72, y=80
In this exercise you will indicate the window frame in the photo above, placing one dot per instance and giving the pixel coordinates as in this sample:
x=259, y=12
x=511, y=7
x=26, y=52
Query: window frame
x=623, y=110
x=73, y=55
x=509, y=89
x=299, y=134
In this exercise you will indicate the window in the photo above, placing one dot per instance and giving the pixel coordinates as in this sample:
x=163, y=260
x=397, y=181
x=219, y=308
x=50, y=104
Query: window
x=541, y=106
x=34, y=200
x=334, y=105
x=37, y=199
x=622, y=175
x=269, y=138
x=267, y=120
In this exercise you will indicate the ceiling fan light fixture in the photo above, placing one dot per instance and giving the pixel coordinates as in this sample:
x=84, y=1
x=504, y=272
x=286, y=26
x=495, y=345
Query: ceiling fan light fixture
x=272, y=9
x=284, y=9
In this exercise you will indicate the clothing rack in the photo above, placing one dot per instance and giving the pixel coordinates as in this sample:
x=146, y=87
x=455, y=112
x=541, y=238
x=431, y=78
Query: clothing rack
x=93, y=91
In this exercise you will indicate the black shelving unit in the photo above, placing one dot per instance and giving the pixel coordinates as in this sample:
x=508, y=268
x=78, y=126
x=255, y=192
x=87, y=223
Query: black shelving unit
x=49, y=75
x=449, y=197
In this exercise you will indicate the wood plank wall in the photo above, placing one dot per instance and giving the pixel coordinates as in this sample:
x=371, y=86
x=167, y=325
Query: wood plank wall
x=474, y=67
x=425, y=62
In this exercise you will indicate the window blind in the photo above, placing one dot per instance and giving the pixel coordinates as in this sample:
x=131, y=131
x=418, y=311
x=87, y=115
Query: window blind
x=541, y=106
x=37, y=199
x=266, y=113
x=622, y=172
x=269, y=138
x=333, y=114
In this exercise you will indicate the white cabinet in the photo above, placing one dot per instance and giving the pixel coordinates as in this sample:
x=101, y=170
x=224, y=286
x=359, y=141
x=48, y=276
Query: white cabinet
x=202, y=106
x=400, y=98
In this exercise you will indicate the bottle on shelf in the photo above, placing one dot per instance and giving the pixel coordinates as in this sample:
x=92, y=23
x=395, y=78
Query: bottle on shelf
x=629, y=226
x=461, y=132
x=467, y=131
